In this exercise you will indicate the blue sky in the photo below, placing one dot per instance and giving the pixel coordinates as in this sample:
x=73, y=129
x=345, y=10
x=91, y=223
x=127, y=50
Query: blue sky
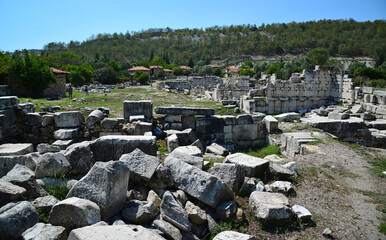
x=31, y=24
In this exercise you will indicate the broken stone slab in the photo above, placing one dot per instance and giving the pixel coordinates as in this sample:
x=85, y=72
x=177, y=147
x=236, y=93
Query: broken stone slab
x=232, y=235
x=184, y=111
x=10, y=192
x=142, y=166
x=172, y=142
x=80, y=157
x=140, y=212
x=291, y=142
x=45, y=203
x=274, y=158
x=105, y=184
x=69, y=119
x=24, y=177
x=52, y=165
x=357, y=109
x=112, y=147
x=45, y=148
x=258, y=117
x=180, y=196
x=48, y=120
x=197, y=183
x=161, y=178
x=43, y=231
x=198, y=144
x=144, y=107
x=291, y=166
x=8, y=162
x=195, y=213
x=338, y=115
x=115, y=232
x=136, y=118
x=209, y=125
x=253, y=166
x=66, y=134
x=190, y=159
x=217, y=149
x=280, y=172
x=286, y=117
x=173, y=212
x=226, y=211
x=191, y=150
x=9, y=102
x=63, y=144
x=109, y=123
x=270, y=207
x=271, y=123
x=93, y=118
x=284, y=187
x=231, y=174
x=301, y=212
x=170, y=231
x=13, y=149
x=141, y=128
x=244, y=119
x=74, y=212
x=16, y=217
x=248, y=186
x=153, y=197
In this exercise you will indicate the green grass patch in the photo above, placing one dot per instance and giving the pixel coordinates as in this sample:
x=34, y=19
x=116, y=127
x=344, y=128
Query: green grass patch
x=263, y=152
x=317, y=141
x=212, y=161
x=378, y=165
x=229, y=226
x=43, y=214
x=161, y=146
x=382, y=227
x=350, y=145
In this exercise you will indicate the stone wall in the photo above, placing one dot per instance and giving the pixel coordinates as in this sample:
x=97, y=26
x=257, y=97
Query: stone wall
x=57, y=89
x=191, y=82
x=305, y=91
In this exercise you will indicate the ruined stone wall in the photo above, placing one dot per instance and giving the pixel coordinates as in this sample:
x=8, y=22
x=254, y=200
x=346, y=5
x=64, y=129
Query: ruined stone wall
x=57, y=89
x=311, y=89
x=192, y=82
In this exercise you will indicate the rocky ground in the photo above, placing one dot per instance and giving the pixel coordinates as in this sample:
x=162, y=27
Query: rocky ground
x=337, y=183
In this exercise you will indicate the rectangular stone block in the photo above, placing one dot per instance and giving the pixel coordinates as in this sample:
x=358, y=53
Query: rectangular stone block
x=173, y=118
x=144, y=107
x=68, y=119
x=209, y=125
x=184, y=111
x=9, y=102
x=188, y=122
x=271, y=123
x=246, y=132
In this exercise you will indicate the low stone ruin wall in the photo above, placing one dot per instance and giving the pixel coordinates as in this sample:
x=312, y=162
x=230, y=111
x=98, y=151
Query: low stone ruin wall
x=192, y=82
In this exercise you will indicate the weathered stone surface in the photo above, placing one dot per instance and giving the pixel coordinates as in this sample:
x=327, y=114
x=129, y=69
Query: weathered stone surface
x=34, y=119
x=270, y=207
x=258, y=117
x=190, y=150
x=105, y=184
x=195, y=213
x=8, y=102
x=190, y=159
x=41, y=231
x=198, y=144
x=197, y=183
x=74, y=212
x=173, y=212
x=286, y=117
x=231, y=235
x=280, y=172
x=52, y=165
x=112, y=147
x=338, y=115
x=69, y=119
x=274, y=158
x=153, y=197
x=172, y=142
x=271, y=123
x=217, y=149
x=231, y=174
x=180, y=196
x=24, y=177
x=12, y=149
x=8, y=162
x=10, y=192
x=141, y=128
x=66, y=134
x=291, y=166
x=209, y=125
x=184, y=111
x=135, y=118
x=109, y=123
x=253, y=166
x=16, y=217
x=291, y=142
x=116, y=232
x=246, y=132
x=45, y=203
x=144, y=107
x=244, y=119
x=44, y=148
x=301, y=212
x=94, y=117
x=80, y=157
x=249, y=185
x=48, y=120
x=140, y=212
x=170, y=231
x=283, y=187
x=63, y=144
x=226, y=211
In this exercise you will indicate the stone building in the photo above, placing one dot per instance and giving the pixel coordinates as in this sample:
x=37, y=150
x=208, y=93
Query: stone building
x=57, y=89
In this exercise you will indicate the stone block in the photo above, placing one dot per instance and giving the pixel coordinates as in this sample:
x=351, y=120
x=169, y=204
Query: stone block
x=95, y=117
x=12, y=149
x=33, y=119
x=253, y=166
x=271, y=123
x=66, y=134
x=68, y=119
x=173, y=118
x=209, y=125
x=184, y=111
x=244, y=119
x=144, y=107
x=188, y=122
x=8, y=102
x=229, y=120
x=109, y=123
x=246, y=132
x=47, y=120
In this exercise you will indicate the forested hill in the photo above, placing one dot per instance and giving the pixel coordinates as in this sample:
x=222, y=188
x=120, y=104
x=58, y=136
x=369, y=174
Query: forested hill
x=346, y=38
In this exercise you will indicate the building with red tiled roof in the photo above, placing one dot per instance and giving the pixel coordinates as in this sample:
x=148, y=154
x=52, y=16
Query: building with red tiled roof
x=58, y=71
x=214, y=66
x=139, y=68
x=185, y=67
x=233, y=69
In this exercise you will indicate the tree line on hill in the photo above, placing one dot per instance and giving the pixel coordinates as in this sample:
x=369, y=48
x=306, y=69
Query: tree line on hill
x=106, y=57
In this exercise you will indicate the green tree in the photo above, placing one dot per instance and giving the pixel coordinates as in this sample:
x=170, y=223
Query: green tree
x=79, y=75
x=141, y=77
x=317, y=56
x=32, y=72
x=160, y=74
x=217, y=72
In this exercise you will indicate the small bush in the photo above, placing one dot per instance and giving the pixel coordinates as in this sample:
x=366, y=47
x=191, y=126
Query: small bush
x=43, y=214
x=229, y=226
x=263, y=152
